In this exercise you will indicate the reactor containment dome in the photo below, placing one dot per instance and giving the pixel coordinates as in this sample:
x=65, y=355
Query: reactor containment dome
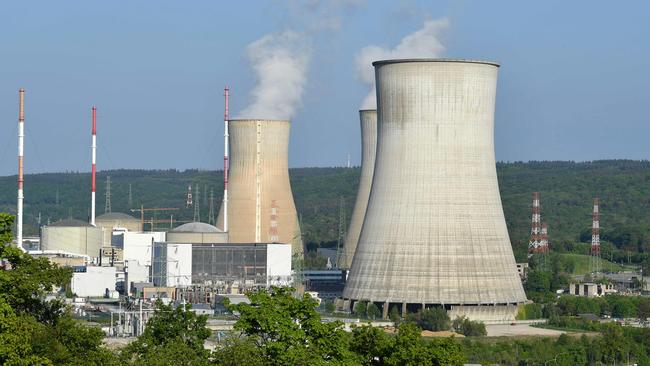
x=434, y=233
x=260, y=203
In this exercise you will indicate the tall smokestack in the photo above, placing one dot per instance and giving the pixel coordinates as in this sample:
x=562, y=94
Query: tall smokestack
x=225, y=160
x=94, y=167
x=21, y=141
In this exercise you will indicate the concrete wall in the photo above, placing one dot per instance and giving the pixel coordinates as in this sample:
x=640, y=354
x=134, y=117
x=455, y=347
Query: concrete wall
x=278, y=264
x=259, y=173
x=368, y=149
x=434, y=231
x=93, y=282
x=85, y=240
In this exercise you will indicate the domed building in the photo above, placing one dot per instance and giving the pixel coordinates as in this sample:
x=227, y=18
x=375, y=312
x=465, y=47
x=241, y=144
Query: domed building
x=197, y=233
x=116, y=220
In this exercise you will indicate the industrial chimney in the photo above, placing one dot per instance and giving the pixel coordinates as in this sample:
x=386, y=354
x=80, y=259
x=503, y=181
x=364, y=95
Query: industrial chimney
x=21, y=143
x=261, y=207
x=434, y=234
x=368, y=146
x=93, y=148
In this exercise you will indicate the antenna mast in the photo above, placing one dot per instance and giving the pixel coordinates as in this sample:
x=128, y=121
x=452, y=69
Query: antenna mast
x=93, y=148
x=21, y=141
x=226, y=93
x=197, y=212
x=188, y=203
x=595, y=238
x=107, y=205
x=211, y=213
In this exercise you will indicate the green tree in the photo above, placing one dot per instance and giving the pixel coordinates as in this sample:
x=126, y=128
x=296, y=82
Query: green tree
x=394, y=315
x=171, y=331
x=468, y=327
x=434, y=319
x=372, y=345
x=34, y=330
x=239, y=351
x=373, y=311
x=289, y=331
x=360, y=308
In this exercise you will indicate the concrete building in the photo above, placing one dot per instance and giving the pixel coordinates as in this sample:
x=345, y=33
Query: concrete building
x=116, y=221
x=91, y=281
x=590, y=289
x=72, y=236
x=225, y=267
x=434, y=232
x=135, y=272
x=137, y=246
x=368, y=148
x=261, y=207
x=328, y=284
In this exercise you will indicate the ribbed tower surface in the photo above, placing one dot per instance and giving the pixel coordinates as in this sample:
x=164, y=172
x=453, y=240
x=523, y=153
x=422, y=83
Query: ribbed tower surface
x=368, y=119
x=260, y=202
x=434, y=231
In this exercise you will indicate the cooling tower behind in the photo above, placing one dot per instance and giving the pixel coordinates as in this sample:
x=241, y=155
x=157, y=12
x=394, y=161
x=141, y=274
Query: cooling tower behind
x=260, y=202
x=368, y=146
x=434, y=232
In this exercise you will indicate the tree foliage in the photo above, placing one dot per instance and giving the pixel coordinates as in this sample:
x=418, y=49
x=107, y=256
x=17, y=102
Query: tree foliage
x=434, y=319
x=171, y=331
x=33, y=330
x=289, y=330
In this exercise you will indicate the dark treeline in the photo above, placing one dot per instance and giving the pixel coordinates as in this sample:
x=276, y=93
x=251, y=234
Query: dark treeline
x=567, y=189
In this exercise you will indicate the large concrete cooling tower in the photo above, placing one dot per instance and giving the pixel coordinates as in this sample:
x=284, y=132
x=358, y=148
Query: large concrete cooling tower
x=368, y=146
x=434, y=232
x=260, y=203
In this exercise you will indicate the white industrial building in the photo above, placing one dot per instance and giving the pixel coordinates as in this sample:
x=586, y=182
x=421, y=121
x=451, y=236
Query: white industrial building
x=90, y=281
x=222, y=265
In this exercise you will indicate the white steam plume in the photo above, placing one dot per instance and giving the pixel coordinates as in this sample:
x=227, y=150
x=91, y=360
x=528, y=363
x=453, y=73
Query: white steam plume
x=280, y=61
x=425, y=42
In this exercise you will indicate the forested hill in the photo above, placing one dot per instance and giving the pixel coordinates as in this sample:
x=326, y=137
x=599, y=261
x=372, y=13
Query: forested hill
x=567, y=189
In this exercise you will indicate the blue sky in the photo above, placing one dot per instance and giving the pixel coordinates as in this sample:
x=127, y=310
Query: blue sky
x=574, y=82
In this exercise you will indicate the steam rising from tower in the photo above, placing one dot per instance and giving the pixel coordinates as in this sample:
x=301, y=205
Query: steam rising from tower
x=434, y=232
x=425, y=42
x=259, y=177
x=368, y=147
x=281, y=61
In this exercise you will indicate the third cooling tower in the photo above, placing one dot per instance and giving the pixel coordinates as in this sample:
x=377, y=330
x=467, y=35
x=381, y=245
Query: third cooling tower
x=434, y=232
x=260, y=205
x=368, y=144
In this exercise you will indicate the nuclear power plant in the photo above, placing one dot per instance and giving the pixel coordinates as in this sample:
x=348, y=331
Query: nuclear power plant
x=434, y=232
x=260, y=203
x=368, y=147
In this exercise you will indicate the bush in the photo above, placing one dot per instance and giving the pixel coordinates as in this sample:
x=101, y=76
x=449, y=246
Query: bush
x=529, y=311
x=373, y=311
x=469, y=328
x=434, y=319
x=360, y=308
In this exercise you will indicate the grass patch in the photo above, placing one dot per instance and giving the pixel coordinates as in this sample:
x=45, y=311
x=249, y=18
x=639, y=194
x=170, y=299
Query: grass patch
x=581, y=264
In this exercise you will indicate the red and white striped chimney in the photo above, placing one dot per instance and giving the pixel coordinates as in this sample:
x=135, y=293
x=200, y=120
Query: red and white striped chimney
x=21, y=141
x=94, y=166
x=225, y=161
